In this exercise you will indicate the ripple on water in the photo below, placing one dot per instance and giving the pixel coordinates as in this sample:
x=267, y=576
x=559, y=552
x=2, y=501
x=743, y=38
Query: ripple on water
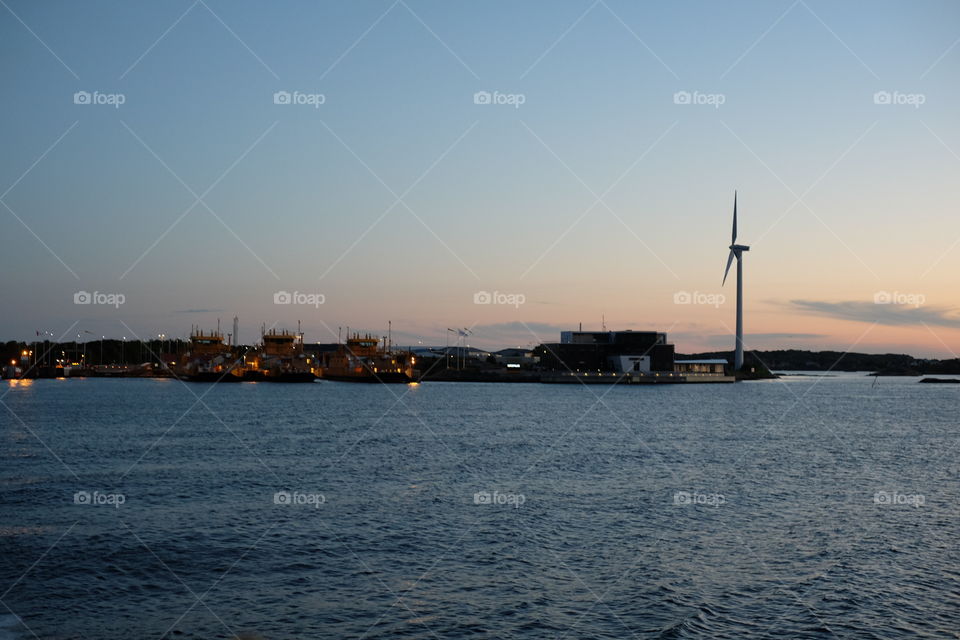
x=399, y=548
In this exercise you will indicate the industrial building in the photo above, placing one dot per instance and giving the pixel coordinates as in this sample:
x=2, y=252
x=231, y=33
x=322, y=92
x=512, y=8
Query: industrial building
x=612, y=351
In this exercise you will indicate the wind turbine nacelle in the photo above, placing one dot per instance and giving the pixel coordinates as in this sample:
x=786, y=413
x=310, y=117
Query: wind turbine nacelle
x=739, y=247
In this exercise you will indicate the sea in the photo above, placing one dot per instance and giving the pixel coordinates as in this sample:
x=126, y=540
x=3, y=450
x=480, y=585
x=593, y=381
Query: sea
x=812, y=506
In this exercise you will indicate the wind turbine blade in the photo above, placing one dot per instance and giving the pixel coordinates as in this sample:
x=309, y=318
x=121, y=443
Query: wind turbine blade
x=734, y=240
x=727, y=270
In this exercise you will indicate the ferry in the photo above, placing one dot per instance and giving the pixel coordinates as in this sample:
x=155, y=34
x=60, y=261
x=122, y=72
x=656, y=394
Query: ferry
x=279, y=358
x=209, y=360
x=368, y=359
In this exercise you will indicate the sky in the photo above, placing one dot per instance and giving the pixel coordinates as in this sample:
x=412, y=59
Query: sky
x=515, y=168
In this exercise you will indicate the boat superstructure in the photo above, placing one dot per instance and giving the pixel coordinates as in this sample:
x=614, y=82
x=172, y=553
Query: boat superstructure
x=209, y=359
x=366, y=358
x=280, y=358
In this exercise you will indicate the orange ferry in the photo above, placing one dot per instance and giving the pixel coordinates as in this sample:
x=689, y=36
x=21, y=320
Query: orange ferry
x=364, y=359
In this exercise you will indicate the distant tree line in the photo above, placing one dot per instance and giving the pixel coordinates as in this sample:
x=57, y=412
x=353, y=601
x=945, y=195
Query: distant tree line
x=92, y=352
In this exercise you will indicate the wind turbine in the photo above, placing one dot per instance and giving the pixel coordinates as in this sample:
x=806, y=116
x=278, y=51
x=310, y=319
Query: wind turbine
x=736, y=250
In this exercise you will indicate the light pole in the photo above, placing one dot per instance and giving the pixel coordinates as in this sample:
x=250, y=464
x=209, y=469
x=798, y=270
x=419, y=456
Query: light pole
x=85, y=363
x=122, y=345
x=463, y=334
x=446, y=351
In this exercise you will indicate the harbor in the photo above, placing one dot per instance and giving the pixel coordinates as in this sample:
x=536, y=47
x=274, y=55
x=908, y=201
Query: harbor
x=281, y=355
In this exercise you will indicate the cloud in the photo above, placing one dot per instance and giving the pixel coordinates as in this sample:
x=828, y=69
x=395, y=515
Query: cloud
x=894, y=315
x=779, y=336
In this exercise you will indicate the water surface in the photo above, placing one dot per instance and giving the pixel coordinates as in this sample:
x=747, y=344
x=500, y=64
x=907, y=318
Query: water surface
x=807, y=507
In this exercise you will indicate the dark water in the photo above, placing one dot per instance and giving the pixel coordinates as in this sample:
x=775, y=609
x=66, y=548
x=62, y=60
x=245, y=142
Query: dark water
x=780, y=530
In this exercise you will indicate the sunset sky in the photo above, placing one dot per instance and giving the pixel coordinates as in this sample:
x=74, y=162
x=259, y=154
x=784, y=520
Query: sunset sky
x=597, y=182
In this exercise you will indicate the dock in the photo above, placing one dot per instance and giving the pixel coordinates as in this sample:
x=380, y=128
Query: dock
x=604, y=377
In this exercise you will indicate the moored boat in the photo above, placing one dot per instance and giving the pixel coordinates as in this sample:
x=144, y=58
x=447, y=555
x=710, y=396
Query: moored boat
x=279, y=358
x=209, y=360
x=365, y=359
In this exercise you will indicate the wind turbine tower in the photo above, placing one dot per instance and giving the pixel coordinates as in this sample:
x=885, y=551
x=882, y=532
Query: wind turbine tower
x=736, y=251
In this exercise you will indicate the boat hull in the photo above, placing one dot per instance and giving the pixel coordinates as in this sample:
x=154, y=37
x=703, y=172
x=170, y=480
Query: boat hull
x=385, y=378
x=298, y=376
x=211, y=376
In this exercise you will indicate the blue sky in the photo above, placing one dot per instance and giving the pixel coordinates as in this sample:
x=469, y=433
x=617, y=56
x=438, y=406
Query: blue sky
x=841, y=197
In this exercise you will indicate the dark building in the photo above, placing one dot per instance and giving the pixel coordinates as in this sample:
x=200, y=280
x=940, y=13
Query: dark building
x=640, y=351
